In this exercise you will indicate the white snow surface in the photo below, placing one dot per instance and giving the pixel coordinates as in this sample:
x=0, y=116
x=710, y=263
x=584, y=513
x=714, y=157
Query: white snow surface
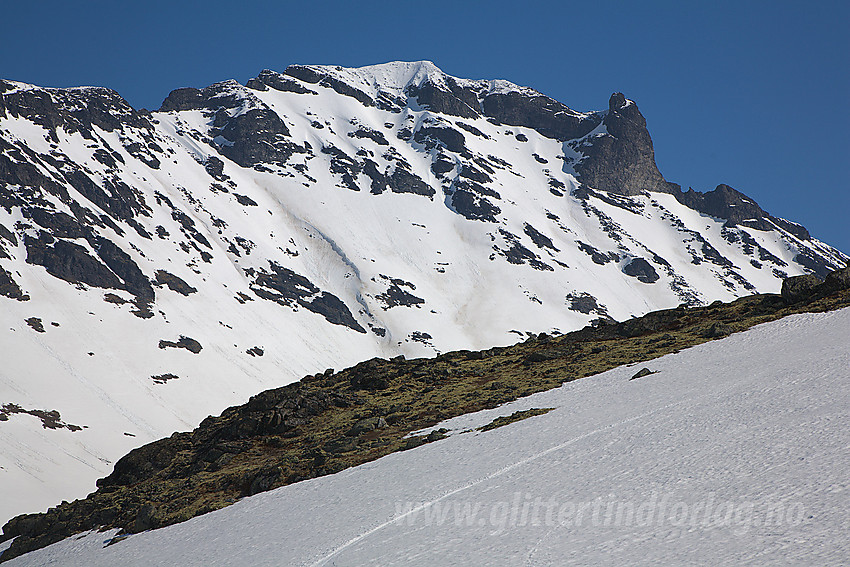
x=396, y=76
x=733, y=452
x=95, y=361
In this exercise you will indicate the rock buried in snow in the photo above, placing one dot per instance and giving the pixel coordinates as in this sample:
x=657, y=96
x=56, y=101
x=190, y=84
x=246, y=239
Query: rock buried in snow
x=717, y=330
x=163, y=378
x=189, y=344
x=641, y=373
x=642, y=270
x=36, y=324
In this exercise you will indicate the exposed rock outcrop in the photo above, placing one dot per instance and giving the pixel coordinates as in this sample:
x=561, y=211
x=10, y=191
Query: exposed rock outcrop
x=622, y=159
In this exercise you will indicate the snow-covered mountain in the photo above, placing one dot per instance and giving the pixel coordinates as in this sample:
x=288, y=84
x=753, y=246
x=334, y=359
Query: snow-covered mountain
x=157, y=267
x=731, y=453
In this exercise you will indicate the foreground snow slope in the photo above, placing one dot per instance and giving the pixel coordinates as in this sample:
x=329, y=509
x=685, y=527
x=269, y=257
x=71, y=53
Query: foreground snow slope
x=733, y=452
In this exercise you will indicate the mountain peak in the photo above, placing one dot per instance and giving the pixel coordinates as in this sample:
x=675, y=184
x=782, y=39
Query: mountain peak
x=394, y=76
x=617, y=101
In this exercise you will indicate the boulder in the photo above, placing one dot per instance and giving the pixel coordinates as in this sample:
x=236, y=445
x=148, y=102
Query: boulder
x=798, y=287
x=641, y=373
x=368, y=424
x=839, y=279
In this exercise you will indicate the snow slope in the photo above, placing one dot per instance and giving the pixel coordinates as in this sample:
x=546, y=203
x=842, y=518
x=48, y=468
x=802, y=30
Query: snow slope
x=732, y=453
x=300, y=225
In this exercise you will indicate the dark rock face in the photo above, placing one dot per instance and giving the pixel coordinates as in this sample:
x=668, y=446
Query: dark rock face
x=726, y=203
x=8, y=236
x=35, y=324
x=442, y=165
x=587, y=304
x=215, y=167
x=122, y=265
x=472, y=130
x=257, y=136
x=623, y=160
x=285, y=287
x=452, y=140
x=397, y=296
x=402, y=180
x=469, y=172
x=173, y=283
x=186, y=98
x=9, y=287
x=226, y=94
x=25, y=185
x=596, y=255
x=278, y=82
x=121, y=202
x=474, y=207
x=797, y=230
x=457, y=101
x=187, y=343
x=548, y=116
x=244, y=200
x=333, y=309
x=310, y=75
x=812, y=262
x=69, y=261
x=60, y=225
x=370, y=134
x=163, y=378
x=516, y=253
x=345, y=166
x=75, y=110
x=248, y=138
x=49, y=419
x=642, y=270
x=541, y=240
x=255, y=351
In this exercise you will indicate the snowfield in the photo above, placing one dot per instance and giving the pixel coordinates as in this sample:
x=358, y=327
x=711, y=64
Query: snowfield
x=733, y=452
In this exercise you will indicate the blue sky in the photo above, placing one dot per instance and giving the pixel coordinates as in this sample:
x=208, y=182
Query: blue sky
x=754, y=94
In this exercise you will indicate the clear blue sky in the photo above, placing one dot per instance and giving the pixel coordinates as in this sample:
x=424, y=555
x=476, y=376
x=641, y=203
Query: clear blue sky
x=755, y=94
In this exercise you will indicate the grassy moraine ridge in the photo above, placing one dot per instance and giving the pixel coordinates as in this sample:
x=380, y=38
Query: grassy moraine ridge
x=328, y=422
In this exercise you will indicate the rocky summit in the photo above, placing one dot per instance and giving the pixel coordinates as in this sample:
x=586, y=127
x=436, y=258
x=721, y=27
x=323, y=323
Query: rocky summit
x=156, y=267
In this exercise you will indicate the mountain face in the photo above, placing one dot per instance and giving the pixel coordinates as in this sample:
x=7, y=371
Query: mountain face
x=156, y=267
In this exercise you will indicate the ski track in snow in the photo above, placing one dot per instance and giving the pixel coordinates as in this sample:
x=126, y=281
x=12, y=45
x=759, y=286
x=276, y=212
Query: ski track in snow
x=487, y=478
x=761, y=416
